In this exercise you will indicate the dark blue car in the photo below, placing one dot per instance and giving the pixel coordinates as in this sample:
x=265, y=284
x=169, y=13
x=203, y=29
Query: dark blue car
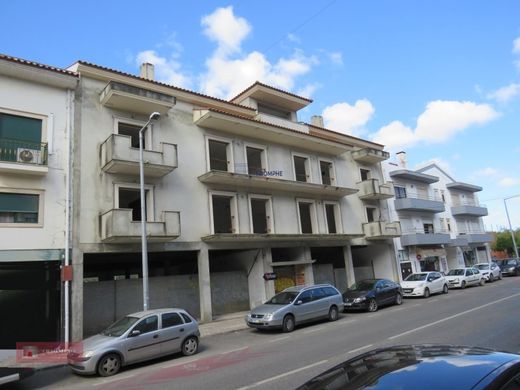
x=370, y=294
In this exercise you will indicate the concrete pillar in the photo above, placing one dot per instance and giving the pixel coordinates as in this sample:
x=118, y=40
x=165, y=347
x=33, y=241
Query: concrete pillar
x=206, y=314
x=76, y=301
x=394, y=263
x=309, y=272
x=349, y=266
x=256, y=282
x=269, y=284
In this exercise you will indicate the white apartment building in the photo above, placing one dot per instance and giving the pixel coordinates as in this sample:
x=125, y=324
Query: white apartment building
x=36, y=112
x=235, y=191
x=441, y=219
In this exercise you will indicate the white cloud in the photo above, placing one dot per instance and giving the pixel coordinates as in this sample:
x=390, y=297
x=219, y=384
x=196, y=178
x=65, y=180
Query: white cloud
x=308, y=90
x=166, y=70
x=486, y=172
x=508, y=182
x=336, y=58
x=346, y=118
x=228, y=30
x=516, y=46
x=506, y=93
x=293, y=38
x=440, y=121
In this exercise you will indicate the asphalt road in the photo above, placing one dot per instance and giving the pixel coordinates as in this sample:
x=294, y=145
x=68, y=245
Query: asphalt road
x=485, y=316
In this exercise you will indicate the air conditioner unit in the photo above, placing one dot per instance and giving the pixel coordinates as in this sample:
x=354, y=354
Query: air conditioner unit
x=32, y=156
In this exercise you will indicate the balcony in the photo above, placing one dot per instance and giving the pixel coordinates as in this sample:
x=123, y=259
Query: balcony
x=418, y=237
x=118, y=157
x=116, y=226
x=381, y=230
x=372, y=190
x=370, y=155
x=231, y=180
x=421, y=203
x=470, y=209
x=475, y=237
x=271, y=238
x=24, y=158
x=134, y=99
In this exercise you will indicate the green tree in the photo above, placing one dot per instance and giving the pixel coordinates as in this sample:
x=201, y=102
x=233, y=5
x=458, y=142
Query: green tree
x=505, y=242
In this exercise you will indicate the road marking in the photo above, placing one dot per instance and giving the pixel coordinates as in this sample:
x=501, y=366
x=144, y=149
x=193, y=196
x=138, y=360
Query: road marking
x=274, y=378
x=452, y=317
x=313, y=330
x=360, y=348
x=279, y=339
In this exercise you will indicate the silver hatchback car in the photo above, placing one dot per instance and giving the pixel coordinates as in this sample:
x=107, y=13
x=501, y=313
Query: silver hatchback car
x=296, y=305
x=136, y=338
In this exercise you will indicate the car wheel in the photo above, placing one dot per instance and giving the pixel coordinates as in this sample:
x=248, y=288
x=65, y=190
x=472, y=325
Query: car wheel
x=190, y=346
x=491, y=278
x=372, y=305
x=445, y=289
x=463, y=284
x=288, y=323
x=398, y=299
x=482, y=281
x=333, y=313
x=426, y=292
x=109, y=364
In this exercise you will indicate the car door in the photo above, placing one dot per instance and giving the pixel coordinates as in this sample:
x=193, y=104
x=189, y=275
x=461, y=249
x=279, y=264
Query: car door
x=172, y=332
x=383, y=292
x=468, y=276
x=146, y=344
x=321, y=300
x=303, y=306
x=477, y=275
x=437, y=282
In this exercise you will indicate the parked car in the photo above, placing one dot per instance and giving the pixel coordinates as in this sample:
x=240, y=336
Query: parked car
x=423, y=284
x=509, y=266
x=135, y=338
x=422, y=367
x=296, y=305
x=491, y=271
x=370, y=294
x=462, y=277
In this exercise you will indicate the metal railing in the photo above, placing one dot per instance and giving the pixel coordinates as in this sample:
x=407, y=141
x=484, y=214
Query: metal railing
x=435, y=230
x=458, y=203
x=418, y=196
x=26, y=152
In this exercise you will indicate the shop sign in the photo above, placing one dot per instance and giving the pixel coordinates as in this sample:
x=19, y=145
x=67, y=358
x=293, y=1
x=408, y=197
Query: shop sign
x=270, y=276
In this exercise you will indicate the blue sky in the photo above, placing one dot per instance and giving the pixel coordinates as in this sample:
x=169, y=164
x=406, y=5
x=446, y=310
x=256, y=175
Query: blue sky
x=438, y=79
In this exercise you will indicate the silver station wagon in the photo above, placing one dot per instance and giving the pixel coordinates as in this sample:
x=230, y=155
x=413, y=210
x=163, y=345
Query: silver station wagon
x=296, y=305
x=136, y=338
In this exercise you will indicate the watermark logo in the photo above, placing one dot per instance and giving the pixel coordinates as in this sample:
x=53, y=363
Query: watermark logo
x=47, y=352
x=243, y=168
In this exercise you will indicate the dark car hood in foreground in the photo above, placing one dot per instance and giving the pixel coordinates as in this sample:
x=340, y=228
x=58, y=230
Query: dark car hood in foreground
x=416, y=367
x=355, y=293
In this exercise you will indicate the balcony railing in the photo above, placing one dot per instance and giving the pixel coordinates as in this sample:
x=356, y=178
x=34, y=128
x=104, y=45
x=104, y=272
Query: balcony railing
x=425, y=236
x=420, y=202
x=371, y=189
x=475, y=236
x=117, y=226
x=13, y=150
x=381, y=230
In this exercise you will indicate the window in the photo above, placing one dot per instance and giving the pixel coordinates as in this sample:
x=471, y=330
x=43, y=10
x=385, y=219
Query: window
x=400, y=192
x=19, y=208
x=255, y=160
x=318, y=293
x=171, y=319
x=273, y=111
x=448, y=224
x=365, y=174
x=261, y=214
x=130, y=198
x=428, y=228
x=330, y=291
x=224, y=213
x=149, y=324
x=443, y=196
x=333, y=217
x=371, y=214
x=133, y=132
x=301, y=168
x=219, y=155
x=305, y=296
x=186, y=318
x=307, y=215
x=327, y=172
x=20, y=132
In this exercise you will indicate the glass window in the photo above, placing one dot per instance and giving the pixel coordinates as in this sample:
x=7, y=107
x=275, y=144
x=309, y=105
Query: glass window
x=171, y=319
x=330, y=291
x=300, y=168
x=18, y=132
x=318, y=293
x=305, y=296
x=19, y=208
x=119, y=327
x=218, y=158
x=149, y=324
x=400, y=192
x=186, y=318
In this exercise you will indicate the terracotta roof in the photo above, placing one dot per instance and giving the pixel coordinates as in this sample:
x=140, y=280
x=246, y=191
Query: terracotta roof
x=163, y=84
x=37, y=65
x=273, y=88
x=336, y=133
x=278, y=126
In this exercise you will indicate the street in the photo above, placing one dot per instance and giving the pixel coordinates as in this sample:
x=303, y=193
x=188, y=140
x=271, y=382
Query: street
x=478, y=316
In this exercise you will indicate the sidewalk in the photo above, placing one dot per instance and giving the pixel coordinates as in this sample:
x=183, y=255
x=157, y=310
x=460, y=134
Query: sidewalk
x=224, y=324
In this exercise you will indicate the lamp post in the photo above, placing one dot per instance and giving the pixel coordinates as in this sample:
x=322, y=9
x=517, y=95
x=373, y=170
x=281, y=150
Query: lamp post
x=144, y=245
x=509, y=221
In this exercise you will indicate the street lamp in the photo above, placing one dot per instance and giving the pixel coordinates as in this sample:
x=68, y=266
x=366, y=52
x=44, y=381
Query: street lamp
x=509, y=221
x=144, y=245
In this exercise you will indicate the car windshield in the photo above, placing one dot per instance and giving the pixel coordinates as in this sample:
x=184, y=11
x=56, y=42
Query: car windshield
x=510, y=262
x=483, y=266
x=119, y=327
x=456, y=272
x=363, y=285
x=415, y=277
x=283, y=298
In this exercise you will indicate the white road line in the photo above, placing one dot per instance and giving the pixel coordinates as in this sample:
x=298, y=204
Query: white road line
x=279, y=339
x=313, y=330
x=274, y=378
x=360, y=348
x=452, y=317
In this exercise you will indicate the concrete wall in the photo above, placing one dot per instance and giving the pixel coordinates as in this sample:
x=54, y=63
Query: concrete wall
x=229, y=292
x=107, y=301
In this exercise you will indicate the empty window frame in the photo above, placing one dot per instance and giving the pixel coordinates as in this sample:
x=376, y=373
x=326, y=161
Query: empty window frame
x=256, y=159
x=307, y=216
x=327, y=172
x=332, y=217
x=21, y=208
x=261, y=214
x=224, y=213
x=302, y=171
x=371, y=214
x=129, y=197
x=364, y=174
x=220, y=155
x=131, y=127
x=428, y=228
